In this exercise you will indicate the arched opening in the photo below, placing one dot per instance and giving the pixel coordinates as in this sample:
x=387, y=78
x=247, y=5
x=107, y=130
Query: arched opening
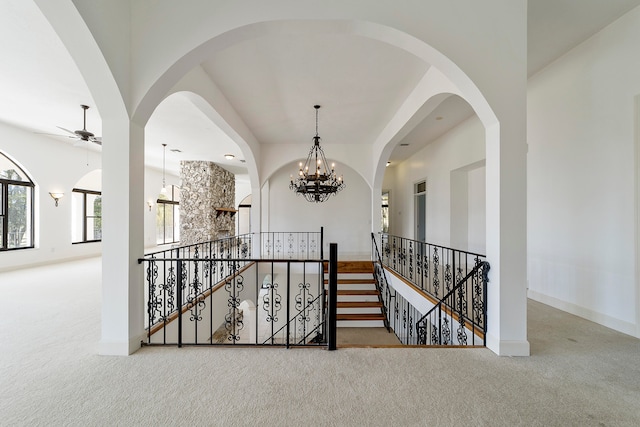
x=16, y=206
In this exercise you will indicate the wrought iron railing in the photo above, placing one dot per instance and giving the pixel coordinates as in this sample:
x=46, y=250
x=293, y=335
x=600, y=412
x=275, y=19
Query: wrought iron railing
x=402, y=319
x=453, y=321
x=432, y=268
x=215, y=293
x=292, y=245
x=385, y=292
x=259, y=302
x=436, y=270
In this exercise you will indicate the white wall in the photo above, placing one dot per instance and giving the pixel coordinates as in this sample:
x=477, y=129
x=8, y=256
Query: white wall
x=581, y=186
x=56, y=165
x=477, y=218
x=346, y=217
x=458, y=149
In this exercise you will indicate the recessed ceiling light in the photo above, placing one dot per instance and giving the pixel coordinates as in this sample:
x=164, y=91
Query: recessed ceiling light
x=229, y=156
x=439, y=118
x=175, y=150
x=388, y=163
x=404, y=144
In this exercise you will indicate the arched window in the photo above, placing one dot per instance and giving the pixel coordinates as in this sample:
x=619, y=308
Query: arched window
x=16, y=206
x=168, y=216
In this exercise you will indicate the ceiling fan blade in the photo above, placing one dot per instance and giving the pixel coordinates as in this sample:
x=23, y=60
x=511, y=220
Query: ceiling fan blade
x=55, y=134
x=96, y=140
x=67, y=130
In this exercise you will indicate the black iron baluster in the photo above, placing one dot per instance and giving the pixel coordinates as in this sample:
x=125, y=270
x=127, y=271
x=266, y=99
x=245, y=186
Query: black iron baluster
x=180, y=279
x=288, y=332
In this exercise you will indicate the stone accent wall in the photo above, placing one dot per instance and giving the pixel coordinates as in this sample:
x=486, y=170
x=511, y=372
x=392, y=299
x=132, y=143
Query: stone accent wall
x=205, y=186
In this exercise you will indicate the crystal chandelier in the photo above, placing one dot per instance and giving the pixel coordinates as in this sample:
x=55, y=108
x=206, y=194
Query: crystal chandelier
x=315, y=180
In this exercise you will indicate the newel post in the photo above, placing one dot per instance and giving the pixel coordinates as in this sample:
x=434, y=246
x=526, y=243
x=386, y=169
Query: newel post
x=333, y=295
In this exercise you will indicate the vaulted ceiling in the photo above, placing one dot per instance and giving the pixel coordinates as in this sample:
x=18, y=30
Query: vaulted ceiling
x=361, y=81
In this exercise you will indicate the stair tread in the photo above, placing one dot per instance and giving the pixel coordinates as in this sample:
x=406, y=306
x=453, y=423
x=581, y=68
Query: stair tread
x=352, y=281
x=359, y=304
x=357, y=292
x=352, y=267
x=360, y=316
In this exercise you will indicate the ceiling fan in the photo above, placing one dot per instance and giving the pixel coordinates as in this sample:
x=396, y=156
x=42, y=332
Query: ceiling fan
x=83, y=134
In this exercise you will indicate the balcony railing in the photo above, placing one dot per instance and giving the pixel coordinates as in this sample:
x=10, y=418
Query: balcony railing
x=432, y=268
x=214, y=293
x=453, y=281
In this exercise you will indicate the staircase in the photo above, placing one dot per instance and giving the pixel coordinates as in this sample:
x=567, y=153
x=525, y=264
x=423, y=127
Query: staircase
x=359, y=304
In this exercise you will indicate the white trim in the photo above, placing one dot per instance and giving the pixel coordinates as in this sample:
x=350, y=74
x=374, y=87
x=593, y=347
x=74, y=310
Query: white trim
x=120, y=348
x=593, y=316
x=636, y=195
x=508, y=348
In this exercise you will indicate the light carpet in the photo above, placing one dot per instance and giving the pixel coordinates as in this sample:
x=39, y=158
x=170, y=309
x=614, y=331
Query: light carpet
x=579, y=374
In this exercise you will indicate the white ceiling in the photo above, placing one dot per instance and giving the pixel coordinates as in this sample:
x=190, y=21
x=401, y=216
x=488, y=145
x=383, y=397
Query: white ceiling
x=271, y=82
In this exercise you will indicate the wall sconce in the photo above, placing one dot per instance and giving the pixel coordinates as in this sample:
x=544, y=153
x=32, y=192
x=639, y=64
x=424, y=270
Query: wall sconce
x=150, y=204
x=56, y=197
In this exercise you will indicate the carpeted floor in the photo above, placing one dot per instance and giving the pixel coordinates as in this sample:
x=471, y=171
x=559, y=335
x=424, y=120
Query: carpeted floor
x=365, y=337
x=579, y=374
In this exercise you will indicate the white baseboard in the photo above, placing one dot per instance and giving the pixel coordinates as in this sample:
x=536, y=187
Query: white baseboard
x=508, y=348
x=119, y=348
x=602, y=319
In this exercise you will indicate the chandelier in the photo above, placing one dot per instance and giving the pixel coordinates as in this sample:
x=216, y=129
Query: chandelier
x=315, y=180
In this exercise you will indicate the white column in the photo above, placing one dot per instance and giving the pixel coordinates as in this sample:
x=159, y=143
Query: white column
x=256, y=218
x=123, y=237
x=506, y=206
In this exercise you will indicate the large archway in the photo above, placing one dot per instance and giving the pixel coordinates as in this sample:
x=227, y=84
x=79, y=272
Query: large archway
x=155, y=71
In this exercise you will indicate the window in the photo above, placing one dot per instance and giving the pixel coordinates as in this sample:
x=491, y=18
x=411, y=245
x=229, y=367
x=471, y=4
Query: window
x=16, y=206
x=420, y=200
x=168, y=217
x=87, y=216
x=244, y=216
x=385, y=212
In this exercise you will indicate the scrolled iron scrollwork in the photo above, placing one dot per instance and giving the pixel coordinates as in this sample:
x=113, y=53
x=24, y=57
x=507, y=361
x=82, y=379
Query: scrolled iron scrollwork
x=422, y=333
x=447, y=278
x=290, y=245
x=462, y=335
x=302, y=248
x=410, y=326
x=233, y=320
x=278, y=247
x=446, y=332
x=435, y=337
x=233, y=323
x=155, y=301
x=404, y=319
x=410, y=259
x=436, y=278
x=244, y=250
x=313, y=247
x=195, y=301
x=272, y=302
x=304, y=304
x=170, y=290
